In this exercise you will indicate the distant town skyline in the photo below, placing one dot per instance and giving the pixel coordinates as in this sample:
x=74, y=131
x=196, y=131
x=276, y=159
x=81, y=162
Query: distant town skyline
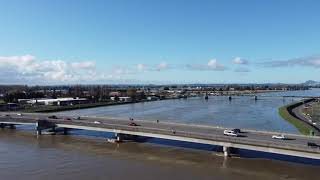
x=159, y=42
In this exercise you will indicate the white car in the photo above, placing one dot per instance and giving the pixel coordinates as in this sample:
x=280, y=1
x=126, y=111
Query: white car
x=19, y=114
x=279, y=137
x=229, y=133
x=97, y=122
x=314, y=123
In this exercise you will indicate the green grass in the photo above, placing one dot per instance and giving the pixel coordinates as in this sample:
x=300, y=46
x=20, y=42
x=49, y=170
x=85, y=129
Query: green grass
x=302, y=127
x=2, y=101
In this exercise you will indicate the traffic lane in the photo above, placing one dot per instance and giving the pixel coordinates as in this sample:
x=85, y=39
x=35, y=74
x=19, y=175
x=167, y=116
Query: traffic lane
x=176, y=129
x=171, y=126
x=215, y=131
x=298, y=112
x=116, y=121
x=193, y=129
x=219, y=131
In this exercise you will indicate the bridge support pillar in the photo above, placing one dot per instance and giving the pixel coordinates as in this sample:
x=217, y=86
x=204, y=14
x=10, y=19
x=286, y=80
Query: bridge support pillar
x=39, y=131
x=230, y=98
x=65, y=131
x=44, y=124
x=226, y=151
x=12, y=126
x=119, y=137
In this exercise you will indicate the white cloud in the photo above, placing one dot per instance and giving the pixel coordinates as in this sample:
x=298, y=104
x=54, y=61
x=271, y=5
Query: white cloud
x=22, y=63
x=84, y=65
x=212, y=65
x=29, y=69
x=162, y=66
x=141, y=67
x=238, y=60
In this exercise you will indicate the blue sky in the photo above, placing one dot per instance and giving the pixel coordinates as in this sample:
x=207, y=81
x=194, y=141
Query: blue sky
x=167, y=41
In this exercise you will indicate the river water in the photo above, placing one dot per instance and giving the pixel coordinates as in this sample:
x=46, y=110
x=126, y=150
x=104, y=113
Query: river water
x=86, y=155
x=24, y=156
x=240, y=112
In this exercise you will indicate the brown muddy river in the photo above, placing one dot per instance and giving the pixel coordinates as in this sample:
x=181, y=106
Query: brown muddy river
x=25, y=156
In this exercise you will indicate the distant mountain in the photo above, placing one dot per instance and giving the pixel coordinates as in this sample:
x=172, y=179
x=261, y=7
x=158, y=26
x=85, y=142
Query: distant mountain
x=311, y=83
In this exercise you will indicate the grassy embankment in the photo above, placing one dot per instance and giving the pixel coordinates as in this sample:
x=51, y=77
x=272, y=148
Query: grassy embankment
x=2, y=101
x=286, y=113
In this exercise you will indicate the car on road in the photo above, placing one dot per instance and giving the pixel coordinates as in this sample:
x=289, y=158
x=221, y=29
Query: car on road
x=236, y=131
x=67, y=119
x=19, y=114
x=313, y=145
x=97, y=122
x=7, y=115
x=53, y=117
x=133, y=124
x=314, y=123
x=280, y=136
x=230, y=133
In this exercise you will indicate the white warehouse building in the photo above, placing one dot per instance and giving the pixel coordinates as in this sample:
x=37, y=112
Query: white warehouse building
x=58, y=101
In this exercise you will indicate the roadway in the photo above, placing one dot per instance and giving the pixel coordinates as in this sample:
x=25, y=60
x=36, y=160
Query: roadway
x=298, y=111
x=250, y=139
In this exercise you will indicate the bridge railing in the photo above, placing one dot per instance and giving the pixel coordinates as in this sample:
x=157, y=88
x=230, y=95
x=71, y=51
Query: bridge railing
x=202, y=136
x=172, y=132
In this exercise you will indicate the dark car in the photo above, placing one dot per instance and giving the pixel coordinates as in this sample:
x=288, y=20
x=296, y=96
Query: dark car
x=53, y=117
x=236, y=130
x=311, y=144
x=67, y=119
x=133, y=124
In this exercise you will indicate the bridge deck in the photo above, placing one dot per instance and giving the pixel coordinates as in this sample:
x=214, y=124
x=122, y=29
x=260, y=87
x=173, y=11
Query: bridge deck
x=295, y=145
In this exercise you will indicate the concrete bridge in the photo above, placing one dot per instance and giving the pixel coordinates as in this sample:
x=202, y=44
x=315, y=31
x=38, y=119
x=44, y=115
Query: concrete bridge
x=294, y=145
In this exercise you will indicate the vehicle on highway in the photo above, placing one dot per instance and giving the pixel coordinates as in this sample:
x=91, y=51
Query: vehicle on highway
x=314, y=123
x=236, y=130
x=67, y=119
x=97, y=122
x=230, y=133
x=281, y=136
x=19, y=114
x=7, y=115
x=313, y=145
x=53, y=117
x=133, y=124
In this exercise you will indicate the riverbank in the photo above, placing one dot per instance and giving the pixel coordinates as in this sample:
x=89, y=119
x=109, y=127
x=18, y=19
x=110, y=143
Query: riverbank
x=47, y=109
x=287, y=113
